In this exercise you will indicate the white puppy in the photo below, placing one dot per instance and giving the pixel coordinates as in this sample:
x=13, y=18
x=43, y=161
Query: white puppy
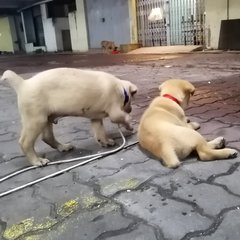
x=68, y=92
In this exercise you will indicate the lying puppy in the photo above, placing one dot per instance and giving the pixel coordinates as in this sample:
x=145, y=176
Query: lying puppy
x=108, y=45
x=64, y=92
x=165, y=131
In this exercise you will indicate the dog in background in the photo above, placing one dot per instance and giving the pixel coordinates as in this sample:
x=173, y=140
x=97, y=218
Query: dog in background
x=108, y=46
x=62, y=92
x=165, y=131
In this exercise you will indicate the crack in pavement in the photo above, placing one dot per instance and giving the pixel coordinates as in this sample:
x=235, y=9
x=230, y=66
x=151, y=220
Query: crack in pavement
x=230, y=171
x=168, y=194
x=112, y=233
x=213, y=227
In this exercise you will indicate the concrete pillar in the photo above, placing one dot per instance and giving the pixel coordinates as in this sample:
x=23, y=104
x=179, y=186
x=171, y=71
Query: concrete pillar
x=78, y=28
x=49, y=30
x=24, y=28
x=133, y=21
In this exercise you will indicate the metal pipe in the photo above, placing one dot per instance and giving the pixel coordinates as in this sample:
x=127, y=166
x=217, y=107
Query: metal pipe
x=227, y=9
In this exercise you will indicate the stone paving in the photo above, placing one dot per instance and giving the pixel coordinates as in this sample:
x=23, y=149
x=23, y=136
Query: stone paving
x=130, y=195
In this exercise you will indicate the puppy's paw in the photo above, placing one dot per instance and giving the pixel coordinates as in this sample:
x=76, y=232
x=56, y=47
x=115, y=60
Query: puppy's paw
x=173, y=165
x=40, y=162
x=110, y=142
x=106, y=142
x=220, y=142
x=64, y=147
x=129, y=127
x=195, y=125
x=233, y=153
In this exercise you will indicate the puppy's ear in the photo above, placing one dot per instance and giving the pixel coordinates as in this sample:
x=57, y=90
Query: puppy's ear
x=160, y=87
x=130, y=87
x=133, y=89
x=190, y=90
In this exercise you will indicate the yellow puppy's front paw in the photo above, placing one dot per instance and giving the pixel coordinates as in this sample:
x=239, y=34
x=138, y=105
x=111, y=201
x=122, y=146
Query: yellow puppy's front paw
x=173, y=165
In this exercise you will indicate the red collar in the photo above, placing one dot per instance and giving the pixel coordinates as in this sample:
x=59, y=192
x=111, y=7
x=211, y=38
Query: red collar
x=172, y=98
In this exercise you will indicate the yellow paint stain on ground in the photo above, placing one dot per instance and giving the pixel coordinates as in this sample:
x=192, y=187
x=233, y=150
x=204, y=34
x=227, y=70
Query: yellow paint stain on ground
x=129, y=183
x=18, y=229
x=90, y=201
x=125, y=184
x=47, y=223
x=25, y=226
x=68, y=208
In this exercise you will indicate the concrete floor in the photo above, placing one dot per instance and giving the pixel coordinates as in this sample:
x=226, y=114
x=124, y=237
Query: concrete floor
x=128, y=195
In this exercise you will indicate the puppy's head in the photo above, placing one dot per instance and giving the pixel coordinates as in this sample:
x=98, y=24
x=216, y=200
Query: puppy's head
x=129, y=90
x=108, y=45
x=179, y=89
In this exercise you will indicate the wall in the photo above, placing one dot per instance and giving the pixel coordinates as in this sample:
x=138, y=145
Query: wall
x=60, y=24
x=20, y=32
x=73, y=30
x=234, y=10
x=6, y=43
x=49, y=31
x=78, y=28
x=108, y=20
x=216, y=10
x=133, y=21
x=13, y=33
x=53, y=30
x=29, y=26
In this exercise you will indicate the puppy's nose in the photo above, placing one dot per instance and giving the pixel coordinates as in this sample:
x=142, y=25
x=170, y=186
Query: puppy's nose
x=129, y=109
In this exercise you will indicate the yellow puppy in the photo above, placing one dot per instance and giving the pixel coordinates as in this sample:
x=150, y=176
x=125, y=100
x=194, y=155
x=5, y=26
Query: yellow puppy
x=165, y=131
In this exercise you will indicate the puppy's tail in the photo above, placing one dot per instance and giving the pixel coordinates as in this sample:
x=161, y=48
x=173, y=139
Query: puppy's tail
x=13, y=79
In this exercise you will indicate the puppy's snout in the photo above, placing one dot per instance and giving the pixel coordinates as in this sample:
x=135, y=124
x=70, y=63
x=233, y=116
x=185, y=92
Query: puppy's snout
x=128, y=109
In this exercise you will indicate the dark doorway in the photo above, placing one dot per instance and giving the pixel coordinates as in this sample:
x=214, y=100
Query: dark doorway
x=67, y=46
x=229, y=38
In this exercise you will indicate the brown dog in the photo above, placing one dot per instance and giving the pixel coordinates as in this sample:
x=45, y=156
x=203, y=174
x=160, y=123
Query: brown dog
x=165, y=131
x=108, y=45
x=68, y=92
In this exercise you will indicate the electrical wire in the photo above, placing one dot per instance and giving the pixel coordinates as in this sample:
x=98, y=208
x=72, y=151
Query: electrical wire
x=92, y=158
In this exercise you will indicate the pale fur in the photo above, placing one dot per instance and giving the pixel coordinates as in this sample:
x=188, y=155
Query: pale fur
x=165, y=131
x=108, y=45
x=61, y=92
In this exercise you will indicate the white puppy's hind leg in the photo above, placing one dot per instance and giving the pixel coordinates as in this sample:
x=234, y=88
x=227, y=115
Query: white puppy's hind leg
x=100, y=134
x=31, y=130
x=48, y=138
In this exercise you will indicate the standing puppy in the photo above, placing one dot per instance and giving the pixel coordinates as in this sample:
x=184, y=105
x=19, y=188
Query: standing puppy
x=165, y=131
x=62, y=92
